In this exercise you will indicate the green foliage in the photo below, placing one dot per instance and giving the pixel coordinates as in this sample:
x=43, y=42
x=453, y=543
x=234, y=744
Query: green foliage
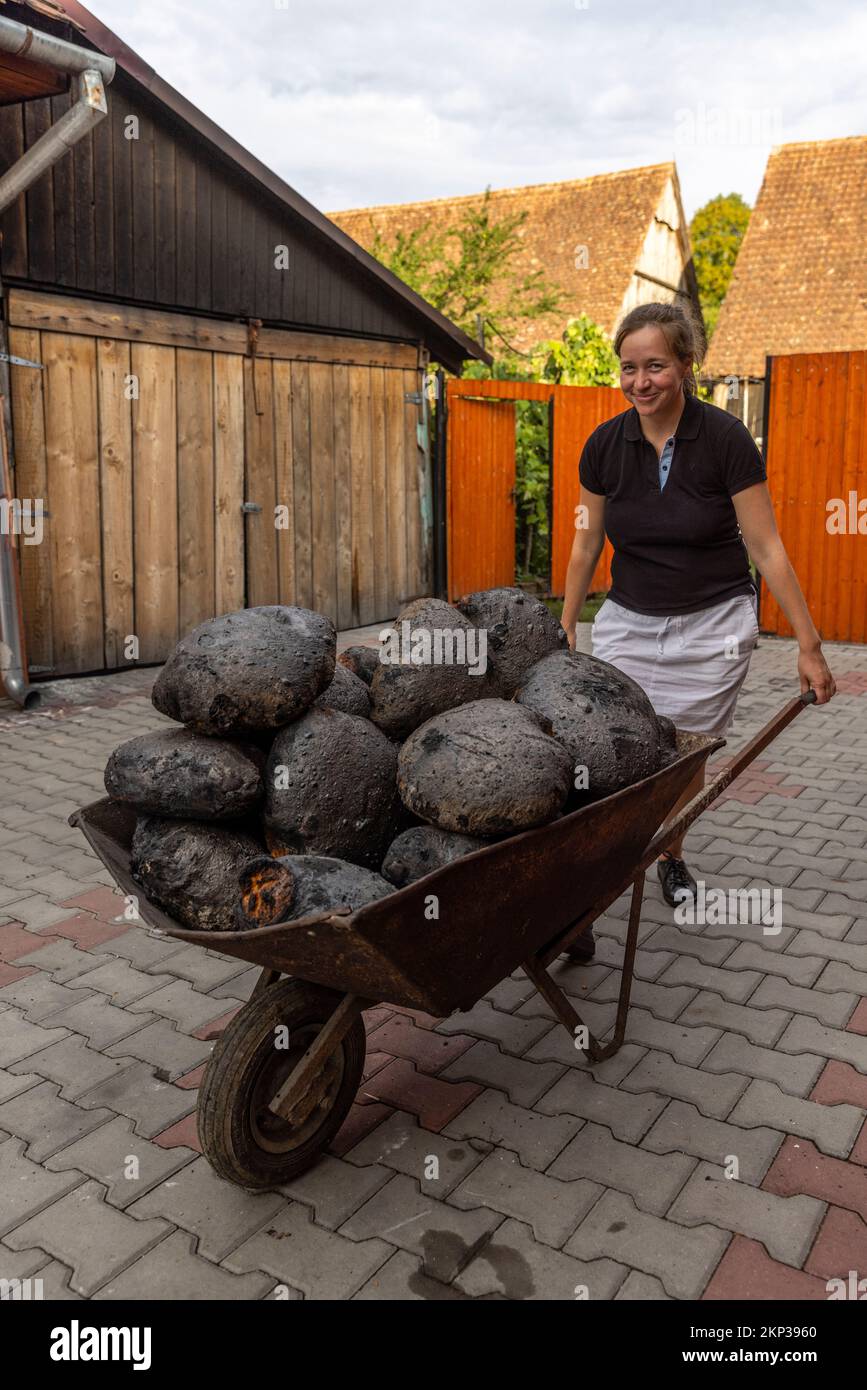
x=583, y=356
x=716, y=231
x=468, y=270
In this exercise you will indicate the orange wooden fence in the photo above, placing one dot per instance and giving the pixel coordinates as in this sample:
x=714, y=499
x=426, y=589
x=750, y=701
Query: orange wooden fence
x=481, y=477
x=817, y=472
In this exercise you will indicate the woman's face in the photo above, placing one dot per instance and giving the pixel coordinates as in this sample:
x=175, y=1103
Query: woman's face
x=651, y=377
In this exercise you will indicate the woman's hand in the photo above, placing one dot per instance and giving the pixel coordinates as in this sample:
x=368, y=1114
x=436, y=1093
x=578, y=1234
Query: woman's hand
x=815, y=675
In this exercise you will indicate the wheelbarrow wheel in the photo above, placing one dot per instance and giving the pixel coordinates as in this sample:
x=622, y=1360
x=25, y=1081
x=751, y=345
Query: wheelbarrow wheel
x=243, y=1140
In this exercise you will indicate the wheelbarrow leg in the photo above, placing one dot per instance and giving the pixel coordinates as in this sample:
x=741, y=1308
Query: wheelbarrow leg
x=296, y=1089
x=558, y=1001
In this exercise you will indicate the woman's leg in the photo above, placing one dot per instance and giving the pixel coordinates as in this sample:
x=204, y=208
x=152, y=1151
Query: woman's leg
x=675, y=849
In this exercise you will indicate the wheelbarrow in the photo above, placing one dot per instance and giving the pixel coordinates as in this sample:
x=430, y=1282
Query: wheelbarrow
x=287, y=1068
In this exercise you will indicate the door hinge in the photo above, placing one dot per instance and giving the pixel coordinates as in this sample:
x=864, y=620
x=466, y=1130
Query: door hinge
x=413, y=397
x=250, y=507
x=21, y=361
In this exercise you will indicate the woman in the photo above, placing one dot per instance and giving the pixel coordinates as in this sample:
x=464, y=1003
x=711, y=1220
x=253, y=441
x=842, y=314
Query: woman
x=679, y=487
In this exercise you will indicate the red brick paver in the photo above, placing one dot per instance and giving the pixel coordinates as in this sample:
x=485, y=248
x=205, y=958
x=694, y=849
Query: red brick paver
x=746, y=1270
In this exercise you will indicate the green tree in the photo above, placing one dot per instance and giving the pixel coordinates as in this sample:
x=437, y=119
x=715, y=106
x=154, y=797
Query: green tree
x=716, y=231
x=471, y=270
x=583, y=356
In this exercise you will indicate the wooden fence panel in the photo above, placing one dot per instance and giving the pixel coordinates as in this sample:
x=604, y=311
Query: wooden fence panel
x=577, y=412
x=31, y=482
x=817, y=476
x=116, y=477
x=480, y=494
x=155, y=500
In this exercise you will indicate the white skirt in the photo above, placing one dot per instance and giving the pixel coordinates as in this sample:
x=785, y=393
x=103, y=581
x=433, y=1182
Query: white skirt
x=690, y=667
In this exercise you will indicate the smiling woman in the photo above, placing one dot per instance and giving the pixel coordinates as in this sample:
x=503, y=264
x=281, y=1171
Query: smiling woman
x=679, y=488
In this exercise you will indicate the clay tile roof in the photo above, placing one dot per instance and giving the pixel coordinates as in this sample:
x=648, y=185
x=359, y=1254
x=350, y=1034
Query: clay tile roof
x=800, y=280
x=608, y=213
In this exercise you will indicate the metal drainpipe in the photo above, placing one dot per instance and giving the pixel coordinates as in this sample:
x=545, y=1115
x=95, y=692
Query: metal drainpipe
x=94, y=72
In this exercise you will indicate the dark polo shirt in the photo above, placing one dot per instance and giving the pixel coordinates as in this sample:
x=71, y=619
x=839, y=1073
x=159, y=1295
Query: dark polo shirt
x=678, y=549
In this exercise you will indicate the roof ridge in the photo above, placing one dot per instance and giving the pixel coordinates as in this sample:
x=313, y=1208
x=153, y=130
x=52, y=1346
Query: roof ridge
x=558, y=184
x=817, y=144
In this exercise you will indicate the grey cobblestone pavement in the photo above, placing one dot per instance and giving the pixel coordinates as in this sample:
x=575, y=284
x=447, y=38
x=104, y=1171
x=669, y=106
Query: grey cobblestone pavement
x=722, y=1153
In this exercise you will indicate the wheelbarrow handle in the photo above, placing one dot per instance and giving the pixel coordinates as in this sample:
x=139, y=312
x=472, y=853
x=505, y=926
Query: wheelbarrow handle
x=685, y=817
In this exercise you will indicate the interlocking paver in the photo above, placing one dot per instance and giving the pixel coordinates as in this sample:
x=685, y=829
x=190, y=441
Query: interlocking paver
x=46, y=1122
x=795, y=1075
x=800, y=970
x=515, y=1266
x=402, y=1279
x=681, y=1257
x=786, y=1226
x=321, y=1264
x=219, y=1213
x=335, y=1189
x=72, y=1064
x=38, y=997
x=758, y=1025
x=551, y=1207
x=640, y=1286
x=135, y=1092
x=833, y=1009
x=714, y=1096
x=834, y=1128
x=99, y=1021
x=171, y=1270
x=736, y=985
x=20, y=1039
x=510, y=1032
x=627, y=1116
x=535, y=1138
x=27, y=1189
x=124, y=1163
x=523, y=1081
x=123, y=985
x=681, y=1128
x=437, y=1162
x=686, y=1044
x=800, y=1168
x=95, y=1240
x=807, y=1035
x=746, y=1271
x=163, y=1045
x=443, y=1236
x=652, y=1180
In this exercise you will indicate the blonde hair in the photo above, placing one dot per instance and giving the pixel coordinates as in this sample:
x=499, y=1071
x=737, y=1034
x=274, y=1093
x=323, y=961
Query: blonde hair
x=684, y=333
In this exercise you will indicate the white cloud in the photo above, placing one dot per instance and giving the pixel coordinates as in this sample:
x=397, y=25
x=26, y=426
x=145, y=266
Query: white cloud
x=359, y=104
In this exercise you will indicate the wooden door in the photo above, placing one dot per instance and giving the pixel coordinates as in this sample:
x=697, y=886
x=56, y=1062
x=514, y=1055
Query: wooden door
x=480, y=494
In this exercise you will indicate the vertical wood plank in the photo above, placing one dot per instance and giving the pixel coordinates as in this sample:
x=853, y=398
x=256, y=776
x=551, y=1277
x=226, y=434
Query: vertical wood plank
x=203, y=287
x=13, y=222
x=260, y=532
x=103, y=207
x=40, y=198
x=119, y=107
x=85, y=236
x=301, y=468
x=413, y=463
x=362, y=498
x=64, y=203
x=343, y=495
x=31, y=481
x=185, y=226
x=196, y=595
x=284, y=463
x=396, y=483
x=155, y=501
x=323, y=519
x=219, y=295
x=229, y=482
x=378, y=443
x=115, y=466
x=143, y=208
x=165, y=236
x=73, y=527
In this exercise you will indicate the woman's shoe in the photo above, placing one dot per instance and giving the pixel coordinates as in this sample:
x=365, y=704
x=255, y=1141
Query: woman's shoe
x=677, y=882
x=583, y=948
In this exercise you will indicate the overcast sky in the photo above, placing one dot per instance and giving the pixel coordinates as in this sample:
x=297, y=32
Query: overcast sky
x=382, y=101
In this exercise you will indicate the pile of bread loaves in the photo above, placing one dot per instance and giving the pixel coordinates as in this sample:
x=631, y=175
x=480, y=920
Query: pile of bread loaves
x=299, y=782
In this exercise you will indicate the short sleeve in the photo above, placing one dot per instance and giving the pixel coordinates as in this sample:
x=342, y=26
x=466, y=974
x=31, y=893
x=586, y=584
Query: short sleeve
x=588, y=469
x=742, y=464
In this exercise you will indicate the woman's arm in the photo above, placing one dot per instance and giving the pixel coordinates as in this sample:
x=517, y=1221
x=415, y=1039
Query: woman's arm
x=586, y=549
x=758, y=525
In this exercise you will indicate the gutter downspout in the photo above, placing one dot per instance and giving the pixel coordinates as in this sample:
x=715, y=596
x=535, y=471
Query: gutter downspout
x=94, y=71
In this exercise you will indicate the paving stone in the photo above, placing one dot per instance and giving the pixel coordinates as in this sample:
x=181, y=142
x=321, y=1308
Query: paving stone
x=240, y=986
x=99, y=1021
x=736, y=985
x=20, y=1039
x=806, y=1035
x=143, y=948
x=747, y=1272
x=523, y=1081
x=55, y=1280
x=651, y=1180
x=663, y=1001
x=510, y=1033
x=27, y=1189
x=219, y=1213
x=811, y=943
x=106, y=1155
x=136, y=1093
x=552, y=1208
x=640, y=1286
x=206, y=969
x=505, y=996
x=400, y=1143
x=834, y=1128
x=685, y=1044
x=649, y=963
x=72, y=1064
x=46, y=1122
x=794, y=1074
x=63, y=961
x=840, y=1247
x=627, y=1116
x=172, y=1270
x=660, y=1073
x=535, y=1138
x=183, y=1133
x=116, y=978
x=16, y=941
x=557, y=1046
x=786, y=1226
x=94, y=1240
x=682, y=1128
x=38, y=997
x=832, y=1009
x=35, y=911
x=21, y=1264
x=840, y=1084
x=682, y=1258
x=839, y=976
x=759, y=1025
x=361, y=1120
x=401, y=1279
x=429, y=1049
x=514, y=1266
x=161, y=1044
x=598, y=1017
x=800, y=1168
x=674, y=942
x=799, y=970
x=336, y=1189
x=322, y=1264
x=433, y=1100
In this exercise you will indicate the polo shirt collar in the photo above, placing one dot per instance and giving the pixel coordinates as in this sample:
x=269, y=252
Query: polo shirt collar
x=688, y=426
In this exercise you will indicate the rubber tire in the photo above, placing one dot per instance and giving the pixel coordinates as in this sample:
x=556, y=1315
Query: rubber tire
x=226, y=1132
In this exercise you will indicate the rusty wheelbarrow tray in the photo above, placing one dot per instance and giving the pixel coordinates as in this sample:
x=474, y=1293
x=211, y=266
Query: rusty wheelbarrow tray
x=438, y=945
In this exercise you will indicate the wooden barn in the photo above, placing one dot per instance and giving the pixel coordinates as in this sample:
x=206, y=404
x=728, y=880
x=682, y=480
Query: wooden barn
x=227, y=405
